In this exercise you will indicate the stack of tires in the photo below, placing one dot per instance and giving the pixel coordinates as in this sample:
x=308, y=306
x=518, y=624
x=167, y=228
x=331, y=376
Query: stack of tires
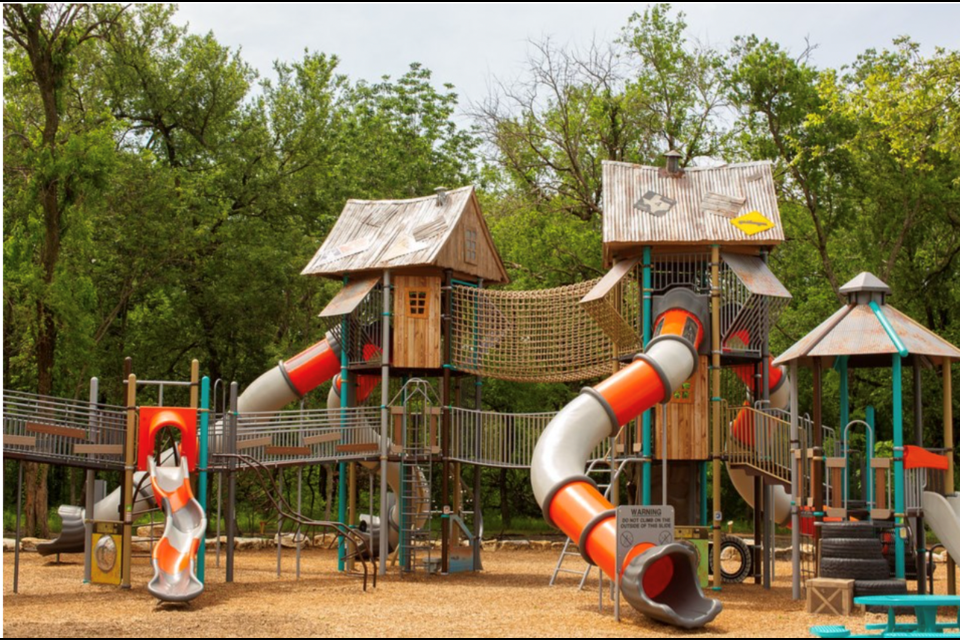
x=853, y=551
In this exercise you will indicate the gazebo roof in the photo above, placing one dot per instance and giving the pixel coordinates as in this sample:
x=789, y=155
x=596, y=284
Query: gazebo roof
x=857, y=331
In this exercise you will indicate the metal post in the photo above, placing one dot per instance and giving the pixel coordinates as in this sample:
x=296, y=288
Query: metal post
x=300, y=510
x=816, y=462
x=615, y=486
x=477, y=488
x=951, y=455
x=795, y=479
x=758, y=538
x=129, y=464
x=871, y=420
x=232, y=479
x=715, y=406
x=202, y=477
x=445, y=426
x=663, y=460
x=921, y=540
x=898, y=477
x=91, y=488
x=352, y=509
x=344, y=403
x=279, y=520
x=647, y=419
x=219, y=500
x=843, y=369
x=385, y=425
x=194, y=383
x=16, y=549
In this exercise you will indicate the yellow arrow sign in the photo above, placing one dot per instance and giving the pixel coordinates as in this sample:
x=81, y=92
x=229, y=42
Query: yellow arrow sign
x=751, y=223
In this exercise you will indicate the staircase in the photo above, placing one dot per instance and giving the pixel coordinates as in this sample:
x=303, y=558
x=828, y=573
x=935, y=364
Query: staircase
x=759, y=442
x=606, y=471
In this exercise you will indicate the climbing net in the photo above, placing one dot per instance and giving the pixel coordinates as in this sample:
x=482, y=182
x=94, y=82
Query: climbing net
x=536, y=336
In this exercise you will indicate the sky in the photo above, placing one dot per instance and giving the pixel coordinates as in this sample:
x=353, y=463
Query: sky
x=469, y=45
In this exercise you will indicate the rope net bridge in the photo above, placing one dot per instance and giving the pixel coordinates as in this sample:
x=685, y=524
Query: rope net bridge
x=543, y=335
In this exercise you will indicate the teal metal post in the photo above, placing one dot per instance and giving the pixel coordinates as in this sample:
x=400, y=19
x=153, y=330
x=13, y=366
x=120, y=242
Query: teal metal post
x=842, y=366
x=872, y=421
x=647, y=419
x=899, y=497
x=342, y=467
x=898, y=474
x=202, y=476
x=845, y=417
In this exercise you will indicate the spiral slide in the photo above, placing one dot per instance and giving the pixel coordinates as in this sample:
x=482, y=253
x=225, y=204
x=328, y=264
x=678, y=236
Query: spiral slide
x=175, y=555
x=281, y=385
x=660, y=582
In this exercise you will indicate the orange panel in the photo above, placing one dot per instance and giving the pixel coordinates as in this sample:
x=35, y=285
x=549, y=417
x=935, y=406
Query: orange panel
x=632, y=390
x=312, y=367
x=152, y=419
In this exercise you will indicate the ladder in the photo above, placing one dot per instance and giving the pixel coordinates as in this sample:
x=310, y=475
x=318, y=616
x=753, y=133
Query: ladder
x=415, y=499
x=603, y=467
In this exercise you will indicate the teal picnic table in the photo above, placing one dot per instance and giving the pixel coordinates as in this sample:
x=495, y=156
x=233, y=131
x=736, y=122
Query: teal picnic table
x=925, y=608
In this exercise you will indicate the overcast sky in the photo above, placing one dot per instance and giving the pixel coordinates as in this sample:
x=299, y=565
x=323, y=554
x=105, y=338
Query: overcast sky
x=467, y=44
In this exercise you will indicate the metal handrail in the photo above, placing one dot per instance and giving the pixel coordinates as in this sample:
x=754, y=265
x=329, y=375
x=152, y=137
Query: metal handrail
x=285, y=511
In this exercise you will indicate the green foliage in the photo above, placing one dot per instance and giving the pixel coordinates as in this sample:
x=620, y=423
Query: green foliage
x=189, y=192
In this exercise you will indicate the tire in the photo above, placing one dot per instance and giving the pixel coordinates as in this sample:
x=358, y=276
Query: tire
x=848, y=530
x=744, y=555
x=879, y=588
x=882, y=588
x=858, y=549
x=853, y=569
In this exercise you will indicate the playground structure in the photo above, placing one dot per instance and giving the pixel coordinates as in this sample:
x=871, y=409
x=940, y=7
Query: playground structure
x=678, y=327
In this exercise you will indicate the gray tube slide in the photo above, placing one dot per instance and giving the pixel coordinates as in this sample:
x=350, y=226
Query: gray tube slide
x=71, y=535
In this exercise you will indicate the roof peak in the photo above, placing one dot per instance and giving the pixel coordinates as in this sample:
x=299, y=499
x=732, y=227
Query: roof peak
x=865, y=282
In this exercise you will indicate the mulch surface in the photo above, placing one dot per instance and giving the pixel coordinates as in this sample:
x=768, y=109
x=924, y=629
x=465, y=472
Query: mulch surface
x=510, y=598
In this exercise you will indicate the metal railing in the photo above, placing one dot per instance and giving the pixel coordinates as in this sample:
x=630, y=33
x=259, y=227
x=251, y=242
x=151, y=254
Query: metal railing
x=758, y=439
x=496, y=439
x=63, y=431
x=914, y=486
x=294, y=437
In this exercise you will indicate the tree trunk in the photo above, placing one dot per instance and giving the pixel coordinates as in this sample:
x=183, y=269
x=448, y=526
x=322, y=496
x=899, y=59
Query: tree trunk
x=30, y=498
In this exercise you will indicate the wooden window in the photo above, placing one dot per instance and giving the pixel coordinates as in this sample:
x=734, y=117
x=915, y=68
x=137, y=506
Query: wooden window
x=470, y=245
x=417, y=303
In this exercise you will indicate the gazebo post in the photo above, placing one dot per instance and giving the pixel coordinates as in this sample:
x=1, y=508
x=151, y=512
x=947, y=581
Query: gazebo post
x=951, y=454
x=817, y=461
x=921, y=541
x=842, y=367
x=898, y=478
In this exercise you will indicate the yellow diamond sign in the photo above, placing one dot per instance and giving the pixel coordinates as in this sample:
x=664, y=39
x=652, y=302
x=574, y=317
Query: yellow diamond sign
x=751, y=223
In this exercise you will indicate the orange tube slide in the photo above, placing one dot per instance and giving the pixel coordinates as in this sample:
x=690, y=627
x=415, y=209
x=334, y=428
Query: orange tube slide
x=579, y=507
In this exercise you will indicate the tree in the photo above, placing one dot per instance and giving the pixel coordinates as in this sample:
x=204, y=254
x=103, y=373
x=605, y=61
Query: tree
x=649, y=92
x=41, y=43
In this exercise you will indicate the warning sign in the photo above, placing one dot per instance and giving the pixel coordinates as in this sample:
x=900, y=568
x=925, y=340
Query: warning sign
x=751, y=223
x=637, y=525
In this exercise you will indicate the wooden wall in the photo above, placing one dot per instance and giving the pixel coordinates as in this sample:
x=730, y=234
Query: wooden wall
x=688, y=420
x=454, y=253
x=416, y=339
